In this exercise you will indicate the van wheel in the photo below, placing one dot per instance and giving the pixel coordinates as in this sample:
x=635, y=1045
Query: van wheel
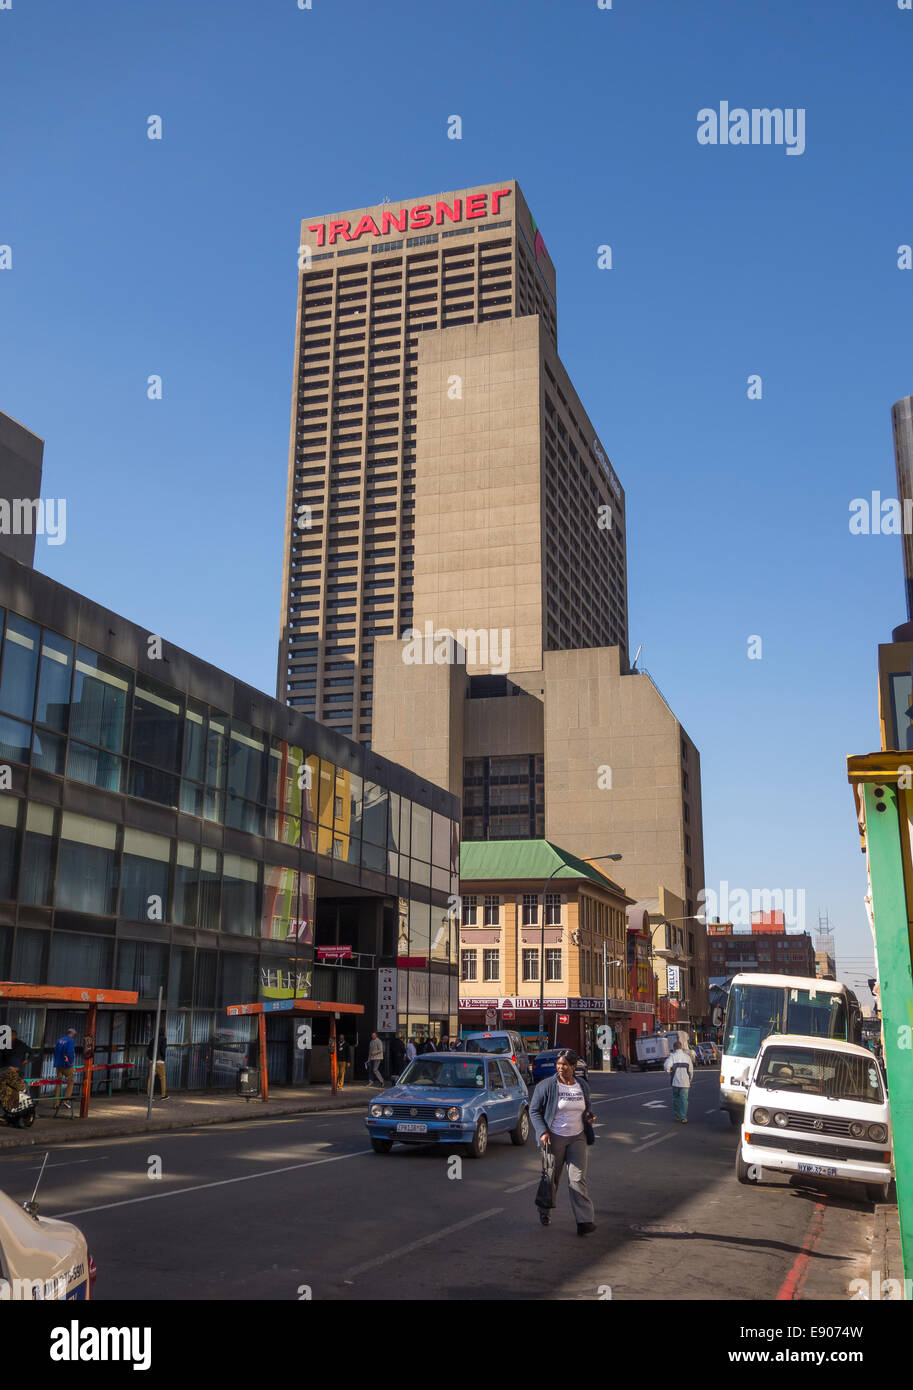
x=381, y=1146
x=734, y=1119
x=743, y=1170
x=520, y=1133
x=479, y=1140
x=877, y=1191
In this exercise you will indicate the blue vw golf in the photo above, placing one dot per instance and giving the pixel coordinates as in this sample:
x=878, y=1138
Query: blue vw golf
x=453, y=1098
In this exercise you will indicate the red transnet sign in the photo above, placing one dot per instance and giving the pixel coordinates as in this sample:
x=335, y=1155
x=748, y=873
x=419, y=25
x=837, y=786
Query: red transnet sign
x=413, y=218
x=334, y=952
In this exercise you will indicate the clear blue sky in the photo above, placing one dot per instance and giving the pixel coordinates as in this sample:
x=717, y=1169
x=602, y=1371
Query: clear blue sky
x=133, y=257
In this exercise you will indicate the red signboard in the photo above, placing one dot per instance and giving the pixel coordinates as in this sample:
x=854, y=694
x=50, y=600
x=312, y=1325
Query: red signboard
x=507, y=1013
x=412, y=219
x=334, y=952
x=564, y=1018
x=412, y=962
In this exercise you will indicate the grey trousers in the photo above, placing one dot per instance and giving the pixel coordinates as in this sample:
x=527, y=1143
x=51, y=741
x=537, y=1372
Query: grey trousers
x=572, y=1154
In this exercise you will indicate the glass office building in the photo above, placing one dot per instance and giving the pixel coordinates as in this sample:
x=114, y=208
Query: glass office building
x=162, y=824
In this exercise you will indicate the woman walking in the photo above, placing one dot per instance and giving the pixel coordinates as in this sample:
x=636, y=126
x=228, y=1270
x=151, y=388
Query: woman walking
x=561, y=1116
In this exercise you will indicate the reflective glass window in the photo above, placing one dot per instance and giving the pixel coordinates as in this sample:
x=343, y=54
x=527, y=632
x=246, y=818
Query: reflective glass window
x=246, y=762
x=98, y=712
x=19, y=668
x=30, y=956
x=374, y=815
x=53, y=707
x=216, y=750
x=87, y=868
x=421, y=832
x=145, y=876
x=95, y=766
x=210, y=889
x=186, y=874
x=158, y=723
x=419, y=928
x=36, y=878
x=141, y=966
x=240, y=895
x=9, y=820
x=194, y=757
x=48, y=752
x=15, y=738
x=440, y=841
x=152, y=784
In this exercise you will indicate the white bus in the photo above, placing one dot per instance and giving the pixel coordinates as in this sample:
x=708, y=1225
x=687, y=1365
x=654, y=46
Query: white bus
x=759, y=1005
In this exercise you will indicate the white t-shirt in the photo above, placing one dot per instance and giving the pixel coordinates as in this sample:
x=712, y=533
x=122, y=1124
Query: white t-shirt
x=569, y=1115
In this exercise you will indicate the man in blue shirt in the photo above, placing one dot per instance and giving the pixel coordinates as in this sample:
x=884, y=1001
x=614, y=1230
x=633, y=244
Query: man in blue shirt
x=64, y=1062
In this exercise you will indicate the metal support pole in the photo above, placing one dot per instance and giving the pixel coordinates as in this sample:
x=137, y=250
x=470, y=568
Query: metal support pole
x=333, y=1061
x=261, y=1038
x=88, y=1058
x=155, y=1053
x=607, y=1056
x=884, y=826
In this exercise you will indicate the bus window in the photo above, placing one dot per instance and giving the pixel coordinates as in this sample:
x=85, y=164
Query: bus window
x=823, y=1016
x=753, y=1012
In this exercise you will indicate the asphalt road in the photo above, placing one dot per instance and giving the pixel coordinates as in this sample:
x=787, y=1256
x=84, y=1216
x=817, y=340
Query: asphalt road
x=298, y=1207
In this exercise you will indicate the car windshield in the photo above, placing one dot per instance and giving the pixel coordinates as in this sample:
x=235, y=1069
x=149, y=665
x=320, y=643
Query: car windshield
x=834, y=1075
x=488, y=1044
x=444, y=1072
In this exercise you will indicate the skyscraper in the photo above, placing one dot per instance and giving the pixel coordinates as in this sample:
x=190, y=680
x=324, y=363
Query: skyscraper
x=374, y=284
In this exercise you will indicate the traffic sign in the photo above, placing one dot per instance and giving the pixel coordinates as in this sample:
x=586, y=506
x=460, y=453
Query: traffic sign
x=491, y=1018
x=564, y=1018
x=507, y=1013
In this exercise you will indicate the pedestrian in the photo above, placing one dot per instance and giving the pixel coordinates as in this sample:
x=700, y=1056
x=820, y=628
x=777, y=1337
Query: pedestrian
x=397, y=1055
x=159, y=1070
x=444, y=1043
x=681, y=1070
x=456, y=1044
x=17, y=1055
x=563, y=1121
x=342, y=1061
x=427, y=1045
x=375, y=1057
x=411, y=1050
x=64, y=1063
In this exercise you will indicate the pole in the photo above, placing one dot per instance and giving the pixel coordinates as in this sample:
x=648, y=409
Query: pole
x=155, y=1053
x=261, y=1038
x=88, y=1057
x=605, y=1002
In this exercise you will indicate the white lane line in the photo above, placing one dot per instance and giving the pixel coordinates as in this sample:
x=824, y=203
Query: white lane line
x=650, y=1142
x=223, y=1182
x=629, y=1095
x=714, y=1111
x=350, y=1274
x=70, y=1163
x=522, y=1185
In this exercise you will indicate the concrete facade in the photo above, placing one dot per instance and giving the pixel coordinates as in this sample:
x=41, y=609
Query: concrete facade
x=21, y=455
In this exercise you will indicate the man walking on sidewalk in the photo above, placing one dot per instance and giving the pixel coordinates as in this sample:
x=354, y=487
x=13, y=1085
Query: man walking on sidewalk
x=159, y=1065
x=375, y=1057
x=64, y=1063
x=681, y=1070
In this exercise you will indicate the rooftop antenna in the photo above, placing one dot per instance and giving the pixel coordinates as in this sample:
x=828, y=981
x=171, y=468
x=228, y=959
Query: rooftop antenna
x=636, y=655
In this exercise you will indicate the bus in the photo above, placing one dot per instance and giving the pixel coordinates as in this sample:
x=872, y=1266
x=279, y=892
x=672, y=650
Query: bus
x=759, y=1005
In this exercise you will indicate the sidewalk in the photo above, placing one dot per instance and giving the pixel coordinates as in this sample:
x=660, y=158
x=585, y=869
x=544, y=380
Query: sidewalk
x=126, y=1114
x=887, y=1262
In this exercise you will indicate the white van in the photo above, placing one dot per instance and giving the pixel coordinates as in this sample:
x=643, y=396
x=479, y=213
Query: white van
x=817, y=1107
x=40, y=1257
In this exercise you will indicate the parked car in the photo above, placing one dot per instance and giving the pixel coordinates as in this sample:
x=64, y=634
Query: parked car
x=817, y=1107
x=543, y=1065
x=504, y=1042
x=652, y=1049
x=451, y=1098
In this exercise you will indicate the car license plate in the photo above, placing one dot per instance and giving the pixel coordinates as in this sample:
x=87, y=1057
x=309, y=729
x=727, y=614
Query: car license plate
x=818, y=1169
x=412, y=1129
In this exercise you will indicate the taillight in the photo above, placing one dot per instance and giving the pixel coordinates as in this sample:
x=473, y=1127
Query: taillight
x=513, y=1059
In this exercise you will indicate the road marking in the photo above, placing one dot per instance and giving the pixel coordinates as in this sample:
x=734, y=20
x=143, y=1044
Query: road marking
x=534, y=1182
x=631, y=1095
x=650, y=1142
x=791, y=1288
x=714, y=1111
x=70, y=1163
x=655, y=1105
x=224, y=1182
x=418, y=1244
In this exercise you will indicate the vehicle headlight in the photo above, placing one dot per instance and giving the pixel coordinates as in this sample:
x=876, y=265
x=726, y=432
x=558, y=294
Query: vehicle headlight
x=376, y=1111
x=440, y=1114
x=878, y=1133
x=454, y=1112
x=781, y=1118
x=388, y=1110
x=760, y=1116
x=857, y=1130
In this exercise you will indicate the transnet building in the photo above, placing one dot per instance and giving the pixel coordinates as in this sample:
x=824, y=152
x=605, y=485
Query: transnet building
x=386, y=294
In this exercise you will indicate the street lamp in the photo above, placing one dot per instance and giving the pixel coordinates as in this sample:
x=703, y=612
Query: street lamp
x=542, y=936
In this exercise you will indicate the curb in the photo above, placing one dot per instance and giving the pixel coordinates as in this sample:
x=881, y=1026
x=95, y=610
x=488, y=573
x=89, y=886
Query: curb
x=153, y=1127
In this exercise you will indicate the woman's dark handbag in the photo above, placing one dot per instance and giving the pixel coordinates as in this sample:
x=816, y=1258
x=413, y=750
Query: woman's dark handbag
x=545, y=1192
x=589, y=1131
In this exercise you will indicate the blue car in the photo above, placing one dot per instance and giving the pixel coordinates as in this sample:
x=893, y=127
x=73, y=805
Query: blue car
x=451, y=1098
x=543, y=1065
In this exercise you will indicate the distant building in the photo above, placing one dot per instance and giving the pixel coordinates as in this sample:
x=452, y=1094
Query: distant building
x=766, y=948
x=825, y=965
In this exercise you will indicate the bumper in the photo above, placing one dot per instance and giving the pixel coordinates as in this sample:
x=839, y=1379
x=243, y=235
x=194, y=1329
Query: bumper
x=732, y=1100
x=844, y=1169
x=437, y=1132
